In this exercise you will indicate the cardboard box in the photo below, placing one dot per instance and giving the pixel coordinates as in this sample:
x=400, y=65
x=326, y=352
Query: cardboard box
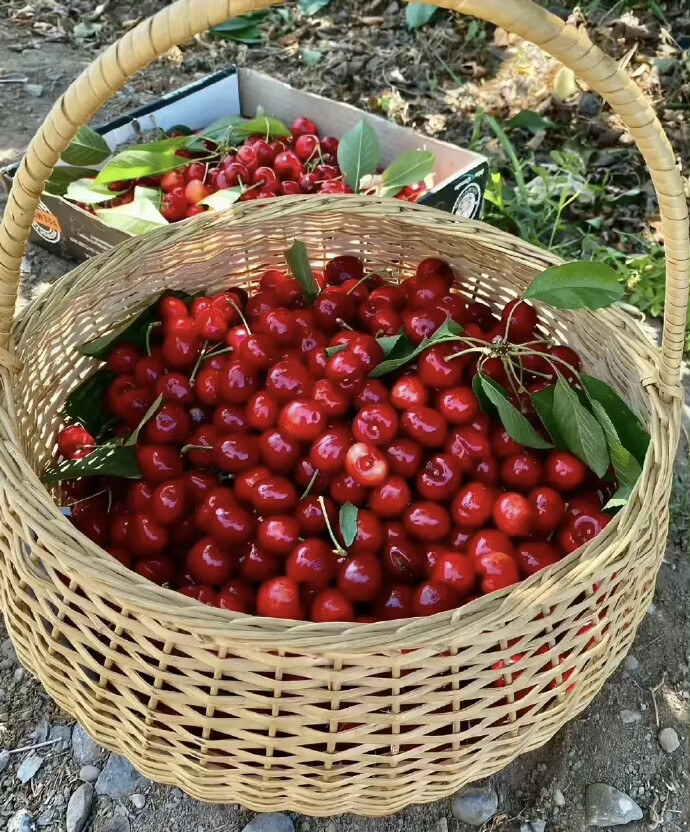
x=65, y=229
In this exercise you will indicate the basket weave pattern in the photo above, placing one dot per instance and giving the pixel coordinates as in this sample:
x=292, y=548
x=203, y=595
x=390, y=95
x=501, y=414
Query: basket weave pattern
x=316, y=718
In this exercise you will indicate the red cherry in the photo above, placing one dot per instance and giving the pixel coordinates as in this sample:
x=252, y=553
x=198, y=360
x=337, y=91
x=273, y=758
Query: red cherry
x=274, y=495
x=222, y=518
x=521, y=472
x=563, y=471
x=288, y=379
x=513, y=514
x=567, y=361
x=424, y=425
x=246, y=156
x=146, y=537
x=409, y=391
x=159, y=570
x=171, y=180
x=168, y=502
x=197, y=484
x=360, y=578
x=72, y=439
x=391, y=498
x=158, y=463
x=587, y=526
x=404, y=457
x=122, y=358
x=435, y=267
x=548, y=509
x=209, y=563
x=344, y=489
x=434, y=368
x=485, y=471
x=235, y=453
x=422, y=323
x=279, y=598
x=519, y=321
x=175, y=387
x=395, y=603
x=258, y=565
x=302, y=126
x=174, y=205
x=279, y=534
x=134, y=404
x=312, y=562
x=246, y=482
x=329, y=450
x=588, y=503
x=278, y=452
x=206, y=594
x=458, y=405
x=426, y=520
x=373, y=392
x=375, y=424
x=288, y=165
x=237, y=596
x=366, y=464
x=489, y=540
x=237, y=383
x=307, y=146
x=310, y=516
x=148, y=370
x=302, y=420
x=340, y=269
x=170, y=425
x=331, y=605
x=432, y=597
x=503, y=445
x=92, y=520
x=329, y=146
x=472, y=505
x=533, y=555
x=439, y=479
x=458, y=571
x=498, y=571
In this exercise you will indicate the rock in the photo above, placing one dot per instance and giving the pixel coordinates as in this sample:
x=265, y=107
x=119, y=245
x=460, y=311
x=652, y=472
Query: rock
x=4, y=759
x=558, y=798
x=118, y=779
x=35, y=90
x=331, y=827
x=538, y=825
x=85, y=751
x=46, y=819
x=606, y=806
x=475, y=805
x=29, y=767
x=42, y=730
x=441, y=825
x=138, y=801
x=668, y=740
x=118, y=825
x=628, y=717
x=89, y=773
x=62, y=733
x=21, y=821
x=589, y=105
x=79, y=808
x=630, y=663
x=270, y=822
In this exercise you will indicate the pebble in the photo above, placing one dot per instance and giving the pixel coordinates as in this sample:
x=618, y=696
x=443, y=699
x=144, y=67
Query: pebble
x=35, y=90
x=538, y=825
x=630, y=662
x=589, y=104
x=668, y=740
x=558, y=798
x=21, y=821
x=46, y=819
x=331, y=827
x=606, y=806
x=270, y=822
x=79, y=808
x=628, y=717
x=89, y=773
x=118, y=825
x=118, y=779
x=29, y=768
x=441, y=825
x=85, y=751
x=62, y=733
x=4, y=759
x=41, y=732
x=138, y=801
x=475, y=805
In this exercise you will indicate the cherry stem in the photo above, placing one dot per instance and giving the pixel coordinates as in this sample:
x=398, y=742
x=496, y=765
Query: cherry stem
x=149, y=330
x=344, y=325
x=359, y=283
x=483, y=350
x=192, y=377
x=241, y=314
x=185, y=448
x=84, y=499
x=310, y=485
x=214, y=353
x=336, y=546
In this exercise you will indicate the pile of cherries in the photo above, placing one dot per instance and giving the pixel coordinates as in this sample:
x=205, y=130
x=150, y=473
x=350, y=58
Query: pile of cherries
x=270, y=424
x=302, y=163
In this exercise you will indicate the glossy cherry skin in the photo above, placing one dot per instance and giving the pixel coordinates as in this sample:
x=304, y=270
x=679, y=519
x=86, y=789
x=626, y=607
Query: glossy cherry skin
x=122, y=358
x=375, y=424
x=220, y=516
x=533, y=555
x=72, y=439
x=209, y=563
x=237, y=383
x=439, y=479
x=345, y=267
x=169, y=502
x=472, y=505
x=145, y=536
x=302, y=420
x=467, y=445
x=391, y=498
x=404, y=457
x=261, y=412
x=425, y=426
x=158, y=569
x=564, y=472
x=278, y=452
x=513, y=514
x=458, y=405
x=435, y=370
x=360, y=578
x=503, y=445
x=395, y=603
x=312, y=562
x=422, y=323
x=409, y=391
x=175, y=387
x=432, y=597
x=456, y=570
x=205, y=594
x=238, y=596
x=497, y=571
x=426, y=520
x=489, y=540
x=159, y=463
x=334, y=401
x=331, y=605
x=519, y=321
x=278, y=534
x=279, y=598
x=521, y=472
x=289, y=379
x=366, y=464
x=256, y=564
x=548, y=509
x=274, y=495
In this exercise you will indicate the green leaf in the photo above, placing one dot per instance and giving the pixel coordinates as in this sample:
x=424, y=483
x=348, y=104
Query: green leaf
x=517, y=426
x=85, y=190
x=87, y=148
x=219, y=131
x=311, y=57
x=543, y=404
x=359, y=153
x=389, y=342
x=419, y=14
x=407, y=169
x=625, y=465
x=628, y=426
x=61, y=178
x=484, y=401
x=578, y=285
x=583, y=434
x=334, y=350
x=85, y=403
x=260, y=126
x=136, y=217
x=298, y=260
x=134, y=436
x=310, y=7
x=221, y=200
x=348, y=523
x=145, y=160
x=106, y=460
x=132, y=331
x=404, y=351
x=243, y=29
x=529, y=120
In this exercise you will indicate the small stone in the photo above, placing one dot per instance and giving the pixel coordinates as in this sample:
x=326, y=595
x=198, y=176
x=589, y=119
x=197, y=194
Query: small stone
x=79, y=808
x=475, y=805
x=630, y=662
x=628, y=717
x=42, y=730
x=18, y=675
x=85, y=751
x=525, y=827
x=29, y=768
x=589, y=105
x=138, y=801
x=538, y=825
x=668, y=740
x=35, y=90
x=21, y=821
x=118, y=779
x=4, y=759
x=176, y=795
x=63, y=735
x=558, y=798
x=89, y=773
x=441, y=825
x=606, y=806
x=118, y=825
x=331, y=827
x=270, y=822
x=45, y=819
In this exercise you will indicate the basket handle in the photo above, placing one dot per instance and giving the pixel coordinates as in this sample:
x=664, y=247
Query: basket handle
x=185, y=18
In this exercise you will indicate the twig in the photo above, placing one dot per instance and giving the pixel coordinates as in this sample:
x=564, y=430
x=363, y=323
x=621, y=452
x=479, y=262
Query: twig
x=653, y=692
x=34, y=747
x=21, y=80
x=99, y=11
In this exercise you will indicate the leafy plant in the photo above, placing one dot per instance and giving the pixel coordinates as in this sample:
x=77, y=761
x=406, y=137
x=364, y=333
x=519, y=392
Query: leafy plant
x=244, y=29
x=419, y=14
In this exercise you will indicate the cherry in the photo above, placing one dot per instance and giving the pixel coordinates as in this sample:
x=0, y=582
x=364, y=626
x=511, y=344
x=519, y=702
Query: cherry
x=391, y=295
x=375, y=424
x=197, y=485
x=211, y=325
x=288, y=379
x=533, y=555
x=548, y=509
x=458, y=571
x=434, y=368
x=279, y=598
x=278, y=452
x=302, y=126
x=235, y=453
x=170, y=425
x=503, y=445
x=134, y=404
x=121, y=555
x=175, y=387
x=246, y=482
x=485, y=471
x=196, y=170
x=145, y=536
x=312, y=562
x=139, y=497
x=208, y=563
x=404, y=457
x=426, y=520
x=489, y=540
x=159, y=570
x=237, y=596
x=174, y=205
x=567, y=361
x=521, y=472
x=343, y=367
x=519, y=321
x=344, y=489
x=480, y=314
x=257, y=351
x=287, y=165
x=279, y=325
x=221, y=517
x=513, y=514
x=206, y=594
x=360, y=578
x=409, y=391
x=148, y=370
x=366, y=464
x=181, y=349
x=119, y=525
x=266, y=178
x=373, y=392
x=329, y=450
x=435, y=267
x=424, y=425
x=171, y=180
x=472, y=505
x=403, y=561
x=246, y=155
x=391, y=498
x=432, y=597
x=563, y=471
x=168, y=502
x=279, y=534
x=306, y=146
x=258, y=565
x=329, y=146
x=310, y=516
x=498, y=571
x=237, y=383
x=586, y=526
x=122, y=358
x=420, y=324
x=92, y=520
x=331, y=605
x=72, y=439
x=439, y=479
x=302, y=420
x=236, y=174
x=458, y=405
x=583, y=504
x=158, y=463
x=274, y=495
x=261, y=412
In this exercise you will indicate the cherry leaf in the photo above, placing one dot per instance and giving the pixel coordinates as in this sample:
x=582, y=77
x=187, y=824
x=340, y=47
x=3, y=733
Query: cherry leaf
x=582, y=433
x=359, y=153
x=517, y=426
x=408, y=169
x=298, y=260
x=577, y=285
x=348, y=523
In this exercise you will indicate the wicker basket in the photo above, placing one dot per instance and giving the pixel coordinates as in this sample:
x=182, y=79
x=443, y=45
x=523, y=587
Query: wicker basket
x=333, y=718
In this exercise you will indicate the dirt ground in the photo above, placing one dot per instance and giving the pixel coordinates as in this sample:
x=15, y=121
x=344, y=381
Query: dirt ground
x=616, y=740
